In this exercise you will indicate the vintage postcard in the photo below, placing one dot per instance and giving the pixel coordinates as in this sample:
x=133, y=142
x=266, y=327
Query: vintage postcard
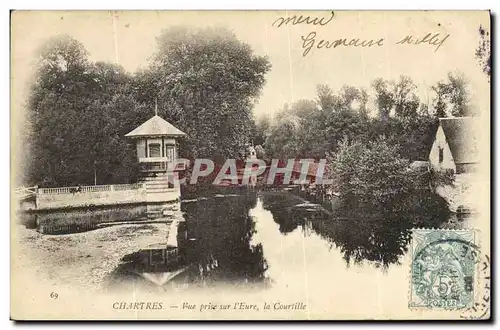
x=250, y=165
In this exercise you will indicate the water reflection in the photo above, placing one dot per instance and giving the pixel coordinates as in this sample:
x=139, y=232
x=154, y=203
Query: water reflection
x=290, y=211
x=82, y=219
x=213, y=247
x=374, y=240
x=249, y=241
x=221, y=230
x=361, y=235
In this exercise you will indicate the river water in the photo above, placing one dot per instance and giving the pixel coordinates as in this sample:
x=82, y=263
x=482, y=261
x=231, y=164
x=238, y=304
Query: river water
x=269, y=240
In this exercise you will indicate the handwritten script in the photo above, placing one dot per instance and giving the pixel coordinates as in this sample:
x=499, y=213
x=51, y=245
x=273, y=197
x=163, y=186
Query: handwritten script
x=295, y=20
x=310, y=41
x=430, y=38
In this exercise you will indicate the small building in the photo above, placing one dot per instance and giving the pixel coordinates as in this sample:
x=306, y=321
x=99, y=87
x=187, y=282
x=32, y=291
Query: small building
x=156, y=142
x=455, y=145
x=455, y=150
x=157, y=148
x=252, y=153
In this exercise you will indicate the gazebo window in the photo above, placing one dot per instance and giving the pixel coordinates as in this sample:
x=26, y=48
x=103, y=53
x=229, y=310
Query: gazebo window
x=154, y=150
x=170, y=153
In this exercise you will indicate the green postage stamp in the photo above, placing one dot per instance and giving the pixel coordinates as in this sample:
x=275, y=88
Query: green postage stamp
x=443, y=266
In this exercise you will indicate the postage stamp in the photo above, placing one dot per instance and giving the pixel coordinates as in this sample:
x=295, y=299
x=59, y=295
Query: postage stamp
x=443, y=267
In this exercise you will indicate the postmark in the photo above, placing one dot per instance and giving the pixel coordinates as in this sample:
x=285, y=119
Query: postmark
x=480, y=310
x=443, y=267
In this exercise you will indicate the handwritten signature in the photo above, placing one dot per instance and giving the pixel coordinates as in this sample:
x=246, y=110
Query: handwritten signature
x=429, y=38
x=309, y=42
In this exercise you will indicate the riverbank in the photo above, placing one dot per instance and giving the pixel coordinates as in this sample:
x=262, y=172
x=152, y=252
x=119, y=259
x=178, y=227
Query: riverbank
x=333, y=210
x=82, y=259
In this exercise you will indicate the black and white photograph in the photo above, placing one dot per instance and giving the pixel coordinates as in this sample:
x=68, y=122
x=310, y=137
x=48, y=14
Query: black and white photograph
x=250, y=165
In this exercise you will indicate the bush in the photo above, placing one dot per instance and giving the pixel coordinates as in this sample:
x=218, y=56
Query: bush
x=374, y=182
x=370, y=173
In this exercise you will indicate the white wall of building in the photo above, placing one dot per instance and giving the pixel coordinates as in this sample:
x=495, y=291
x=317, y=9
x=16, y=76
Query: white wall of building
x=447, y=162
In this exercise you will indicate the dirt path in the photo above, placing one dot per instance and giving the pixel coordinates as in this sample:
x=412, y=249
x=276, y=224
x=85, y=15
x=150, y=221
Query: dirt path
x=83, y=259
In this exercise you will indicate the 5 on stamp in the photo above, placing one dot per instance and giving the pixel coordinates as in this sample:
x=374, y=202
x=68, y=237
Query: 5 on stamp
x=443, y=266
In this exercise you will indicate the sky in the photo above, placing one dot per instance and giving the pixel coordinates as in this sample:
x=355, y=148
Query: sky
x=128, y=38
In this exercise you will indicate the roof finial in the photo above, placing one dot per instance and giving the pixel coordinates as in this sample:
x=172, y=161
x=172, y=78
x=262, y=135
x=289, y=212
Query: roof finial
x=156, y=106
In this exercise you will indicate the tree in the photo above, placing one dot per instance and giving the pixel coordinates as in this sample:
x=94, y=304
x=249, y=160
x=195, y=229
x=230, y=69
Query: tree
x=370, y=174
x=459, y=95
x=363, y=102
x=384, y=98
x=207, y=82
x=106, y=150
x=110, y=79
x=452, y=96
x=312, y=135
x=375, y=182
x=296, y=132
x=262, y=126
x=79, y=113
x=283, y=139
x=439, y=101
x=400, y=97
x=59, y=95
x=325, y=97
x=61, y=59
x=406, y=101
x=303, y=108
x=413, y=136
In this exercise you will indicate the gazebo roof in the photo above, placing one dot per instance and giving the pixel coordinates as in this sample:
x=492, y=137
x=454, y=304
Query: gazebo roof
x=156, y=126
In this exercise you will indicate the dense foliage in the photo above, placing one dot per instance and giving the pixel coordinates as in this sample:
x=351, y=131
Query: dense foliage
x=312, y=128
x=370, y=172
x=208, y=80
x=370, y=140
x=204, y=81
